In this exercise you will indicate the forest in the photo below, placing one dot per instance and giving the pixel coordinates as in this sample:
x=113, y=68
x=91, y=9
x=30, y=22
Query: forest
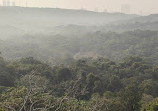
x=80, y=85
x=77, y=60
x=55, y=48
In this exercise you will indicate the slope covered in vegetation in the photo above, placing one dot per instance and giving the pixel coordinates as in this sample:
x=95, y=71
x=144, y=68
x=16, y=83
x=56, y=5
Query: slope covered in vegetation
x=85, y=84
x=55, y=48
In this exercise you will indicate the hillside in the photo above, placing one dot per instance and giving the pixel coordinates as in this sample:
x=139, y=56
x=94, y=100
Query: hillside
x=143, y=23
x=17, y=20
x=77, y=60
x=61, y=16
x=57, y=47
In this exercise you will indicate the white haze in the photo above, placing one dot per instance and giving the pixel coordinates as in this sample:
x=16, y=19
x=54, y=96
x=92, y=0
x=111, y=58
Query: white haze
x=143, y=7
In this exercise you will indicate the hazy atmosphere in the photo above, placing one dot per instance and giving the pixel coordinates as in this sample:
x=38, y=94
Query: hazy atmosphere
x=78, y=55
x=135, y=6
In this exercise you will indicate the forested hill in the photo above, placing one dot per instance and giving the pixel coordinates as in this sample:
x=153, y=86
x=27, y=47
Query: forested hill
x=17, y=20
x=72, y=60
x=53, y=34
x=144, y=19
x=149, y=22
x=55, y=47
x=55, y=15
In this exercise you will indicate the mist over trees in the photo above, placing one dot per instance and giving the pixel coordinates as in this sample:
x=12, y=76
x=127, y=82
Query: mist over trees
x=77, y=60
x=54, y=48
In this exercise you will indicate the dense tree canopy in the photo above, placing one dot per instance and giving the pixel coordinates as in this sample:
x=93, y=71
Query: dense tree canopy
x=86, y=84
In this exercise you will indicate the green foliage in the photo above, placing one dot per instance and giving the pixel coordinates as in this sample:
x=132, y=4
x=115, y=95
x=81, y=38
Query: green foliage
x=64, y=74
x=6, y=78
x=150, y=87
x=88, y=84
x=151, y=106
x=114, y=84
x=131, y=97
x=116, y=46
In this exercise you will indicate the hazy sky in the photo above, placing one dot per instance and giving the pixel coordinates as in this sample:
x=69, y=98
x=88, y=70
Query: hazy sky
x=136, y=6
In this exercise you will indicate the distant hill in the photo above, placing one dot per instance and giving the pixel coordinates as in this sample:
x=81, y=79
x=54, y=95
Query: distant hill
x=62, y=16
x=144, y=23
x=144, y=19
x=18, y=20
x=56, y=34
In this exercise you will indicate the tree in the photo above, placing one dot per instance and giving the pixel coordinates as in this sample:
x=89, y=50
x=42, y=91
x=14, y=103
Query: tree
x=151, y=106
x=149, y=87
x=64, y=74
x=131, y=97
x=114, y=84
x=6, y=78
